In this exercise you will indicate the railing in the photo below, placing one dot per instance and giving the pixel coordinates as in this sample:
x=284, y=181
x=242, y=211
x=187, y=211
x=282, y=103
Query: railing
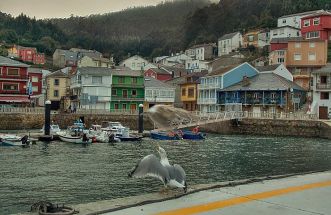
x=16, y=77
x=207, y=101
x=36, y=110
x=323, y=86
x=107, y=111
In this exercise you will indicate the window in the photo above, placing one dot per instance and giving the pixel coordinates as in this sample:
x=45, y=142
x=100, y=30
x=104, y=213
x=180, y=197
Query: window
x=56, y=82
x=312, y=56
x=306, y=23
x=116, y=106
x=324, y=96
x=312, y=45
x=96, y=79
x=297, y=57
x=114, y=92
x=273, y=95
x=316, y=21
x=297, y=45
x=12, y=87
x=56, y=93
x=281, y=53
x=191, y=92
x=134, y=92
x=284, y=21
x=134, y=80
x=121, y=80
x=183, y=92
x=256, y=96
x=35, y=88
x=250, y=38
x=133, y=65
x=125, y=93
x=13, y=71
x=314, y=34
x=34, y=79
x=281, y=31
x=323, y=79
x=124, y=106
x=280, y=60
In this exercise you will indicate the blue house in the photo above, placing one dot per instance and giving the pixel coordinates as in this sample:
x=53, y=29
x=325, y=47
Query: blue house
x=266, y=91
x=218, y=80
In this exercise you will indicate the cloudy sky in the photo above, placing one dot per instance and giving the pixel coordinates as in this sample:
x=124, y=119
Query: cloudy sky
x=64, y=8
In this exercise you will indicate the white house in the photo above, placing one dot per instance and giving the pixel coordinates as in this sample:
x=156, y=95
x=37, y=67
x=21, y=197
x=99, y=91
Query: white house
x=278, y=69
x=134, y=63
x=92, y=87
x=229, y=42
x=201, y=51
x=263, y=38
x=293, y=20
x=174, y=60
x=158, y=92
x=321, y=104
x=284, y=31
x=196, y=65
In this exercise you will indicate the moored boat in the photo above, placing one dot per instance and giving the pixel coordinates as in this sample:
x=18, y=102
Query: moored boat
x=124, y=135
x=162, y=135
x=189, y=135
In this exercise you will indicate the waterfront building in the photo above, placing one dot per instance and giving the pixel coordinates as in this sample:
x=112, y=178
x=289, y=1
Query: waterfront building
x=317, y=25
x=158, y=92
x=189, y=90
x=136, y=63
x=88, y=61
x=321, y=104
x=36, y=77
x=305, y=56
x=13, y=82
x=229, y=43
x=201, y=51
x=175, y=83
x=219, y=79
x=127, y=89
x=264, y=92
x=293, y=20
x=91, y=88
x=58, y=86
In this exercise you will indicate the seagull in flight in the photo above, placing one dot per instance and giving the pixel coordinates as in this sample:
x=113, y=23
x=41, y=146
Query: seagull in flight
x=151, y=166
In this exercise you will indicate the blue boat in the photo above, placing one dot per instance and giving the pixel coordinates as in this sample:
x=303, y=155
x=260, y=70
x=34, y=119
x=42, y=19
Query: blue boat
x=161, y=135
x=189, y=135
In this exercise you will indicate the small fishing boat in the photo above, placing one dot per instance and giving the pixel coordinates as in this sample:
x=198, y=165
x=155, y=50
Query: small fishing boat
x=24, y=142
x=163, y=135
x=53, y=129
x=124, y=135
x=10, y=137
x=101, y=136
x=189, y=135
x=111, y=126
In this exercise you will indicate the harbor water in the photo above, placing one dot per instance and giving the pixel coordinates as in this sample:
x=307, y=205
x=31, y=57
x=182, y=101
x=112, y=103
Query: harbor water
x=72, y=174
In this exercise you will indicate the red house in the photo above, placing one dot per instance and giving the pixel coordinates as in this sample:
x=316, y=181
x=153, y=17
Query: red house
x=39, y=58
x=158, y=73
x=30, y=54
x=13, y=82
x=317, y=25
x=278, y=44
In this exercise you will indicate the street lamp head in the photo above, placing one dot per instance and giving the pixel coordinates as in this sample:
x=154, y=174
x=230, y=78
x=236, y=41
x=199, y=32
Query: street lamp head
x=48, y=102
x=141, y=105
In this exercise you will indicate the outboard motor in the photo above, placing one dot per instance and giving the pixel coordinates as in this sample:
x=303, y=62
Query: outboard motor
x=111, y=138
x=25, y=140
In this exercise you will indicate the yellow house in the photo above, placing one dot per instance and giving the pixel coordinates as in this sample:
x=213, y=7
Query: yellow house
x=58, y=84
x=88, y=61
x=189, y=91
x=13, y=51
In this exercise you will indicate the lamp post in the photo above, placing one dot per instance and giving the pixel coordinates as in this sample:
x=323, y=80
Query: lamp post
x=141, y=119
x=47, y=118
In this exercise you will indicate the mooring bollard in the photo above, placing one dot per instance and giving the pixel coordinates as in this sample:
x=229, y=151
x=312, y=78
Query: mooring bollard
x=141, y=119
x=47, y=117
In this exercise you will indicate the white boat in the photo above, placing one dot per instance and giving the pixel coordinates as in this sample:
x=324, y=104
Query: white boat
x=67, y=137
x=54, y=129
x=100, y=135
x=10, y=137
x=112, y=126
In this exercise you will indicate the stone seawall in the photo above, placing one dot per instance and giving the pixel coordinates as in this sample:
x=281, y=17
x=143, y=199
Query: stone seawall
x=299, y=128
x=36, y=121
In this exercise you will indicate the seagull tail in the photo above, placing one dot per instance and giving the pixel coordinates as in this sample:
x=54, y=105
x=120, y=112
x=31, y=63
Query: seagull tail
x=185, y=187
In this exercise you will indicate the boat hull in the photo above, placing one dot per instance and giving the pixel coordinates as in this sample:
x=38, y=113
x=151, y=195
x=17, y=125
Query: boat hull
x=163, y=136
x=129, y=138
x=189, y=135
x=70, y=139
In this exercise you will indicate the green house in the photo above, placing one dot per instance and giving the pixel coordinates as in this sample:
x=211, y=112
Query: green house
x=127, y=90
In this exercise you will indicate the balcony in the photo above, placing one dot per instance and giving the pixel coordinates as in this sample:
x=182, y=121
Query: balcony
x=121, y=98
x=208, y=86
x=254, y=101
x=204, y=101
x=128, y=85
x=18, y=78
x=323, y=86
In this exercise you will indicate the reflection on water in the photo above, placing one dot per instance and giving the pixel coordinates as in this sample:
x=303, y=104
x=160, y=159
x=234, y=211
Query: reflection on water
x=71, y=174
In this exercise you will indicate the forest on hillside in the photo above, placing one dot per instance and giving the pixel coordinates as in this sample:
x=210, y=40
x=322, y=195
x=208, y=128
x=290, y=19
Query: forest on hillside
x=150, y=31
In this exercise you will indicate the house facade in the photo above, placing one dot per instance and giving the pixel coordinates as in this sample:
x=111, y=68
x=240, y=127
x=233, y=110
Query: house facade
x=293, y=20
x=88, y=61
x=91, y=86
x=263, y=38
x=175, y=83
x=217, y=80
x=196, y=65
x=14, y=80
x=229, y=42
x=127, y=90
x=58, y=85
x=174, y=60
x=26, y=54
x=317, y=25
x=284, y=32
x=158, y=92
x=201, y=51
x=321, y=104
x=277, y=57
x=36, y=78
x=305, y=56
x=136, y=63
x=158, y=73
x=64, y=58
x=189, y=91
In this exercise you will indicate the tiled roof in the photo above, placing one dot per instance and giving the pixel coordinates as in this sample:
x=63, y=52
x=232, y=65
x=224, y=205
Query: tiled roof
x=35, y=70
x=202, y=45
x=125, y=71
x=265, y=81
x=267, y=68
x=222, y=70
x=318, y=13
x=280, y=40
x=102, y=59
x=58, y=73
x=300, y=14
x=152, y=82
x=286, y=26
x=160, y=71
x=228, y=36
x=95, y=70
x=325, y=69
x=5, y=61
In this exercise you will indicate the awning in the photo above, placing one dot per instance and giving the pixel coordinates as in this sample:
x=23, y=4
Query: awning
x=14, y=99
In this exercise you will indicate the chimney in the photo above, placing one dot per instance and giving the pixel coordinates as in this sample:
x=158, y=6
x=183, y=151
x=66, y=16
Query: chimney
x=245, y=81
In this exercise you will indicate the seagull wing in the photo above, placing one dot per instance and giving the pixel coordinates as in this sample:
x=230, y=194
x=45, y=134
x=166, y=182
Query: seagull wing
x=150, y=166
x=177, y=176
x=180, y=174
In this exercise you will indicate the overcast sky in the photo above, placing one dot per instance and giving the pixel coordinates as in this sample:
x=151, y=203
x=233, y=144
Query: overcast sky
x=64, y=8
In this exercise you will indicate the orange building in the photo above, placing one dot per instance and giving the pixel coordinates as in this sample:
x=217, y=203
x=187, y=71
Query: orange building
x=304, y=57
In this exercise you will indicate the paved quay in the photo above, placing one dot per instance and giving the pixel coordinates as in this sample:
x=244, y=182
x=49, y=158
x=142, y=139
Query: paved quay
x=296, y=195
